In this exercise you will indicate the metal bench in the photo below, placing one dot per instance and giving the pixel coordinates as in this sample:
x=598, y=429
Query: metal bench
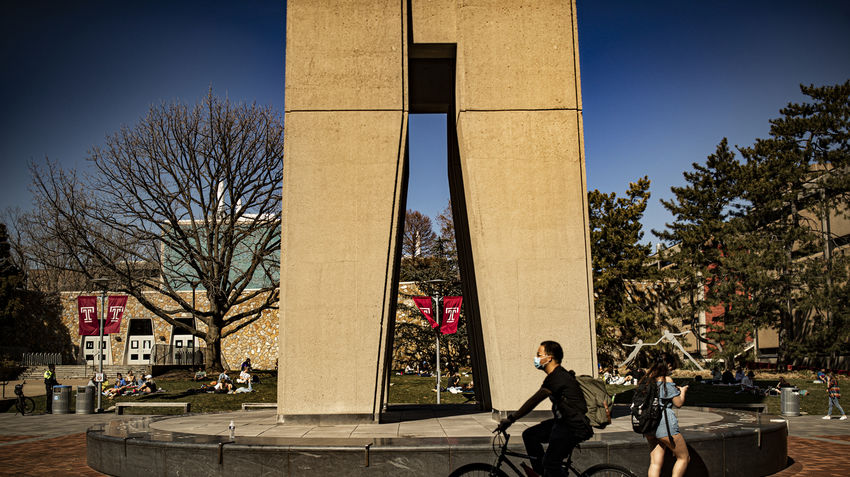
x=119, y=407
x=258, y=405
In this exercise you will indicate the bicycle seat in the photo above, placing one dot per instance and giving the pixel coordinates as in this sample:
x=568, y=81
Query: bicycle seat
x=19, y=389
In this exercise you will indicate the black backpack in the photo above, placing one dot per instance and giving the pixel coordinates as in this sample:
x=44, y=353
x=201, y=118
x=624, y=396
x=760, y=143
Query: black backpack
x=646, y=408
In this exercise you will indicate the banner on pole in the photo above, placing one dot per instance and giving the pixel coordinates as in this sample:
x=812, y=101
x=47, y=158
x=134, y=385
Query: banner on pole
x=451, y=314
x=87, y=311
x=425, y=307
x=114, y=312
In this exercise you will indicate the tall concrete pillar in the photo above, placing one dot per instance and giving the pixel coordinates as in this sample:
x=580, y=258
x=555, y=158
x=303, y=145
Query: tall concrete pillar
x=506, y=73
x=520, y=142
x=343, y=190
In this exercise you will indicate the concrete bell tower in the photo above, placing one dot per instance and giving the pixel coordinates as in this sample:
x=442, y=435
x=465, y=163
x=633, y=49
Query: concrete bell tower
x=506, y=73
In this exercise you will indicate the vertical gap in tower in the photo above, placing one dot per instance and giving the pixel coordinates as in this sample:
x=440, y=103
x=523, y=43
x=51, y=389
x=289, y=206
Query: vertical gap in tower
x=428, y=267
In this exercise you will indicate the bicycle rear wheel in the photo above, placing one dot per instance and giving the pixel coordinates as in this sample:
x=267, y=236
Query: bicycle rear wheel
x=478, y=469
x=607, y=470
x=29, y=405
x=25, y=405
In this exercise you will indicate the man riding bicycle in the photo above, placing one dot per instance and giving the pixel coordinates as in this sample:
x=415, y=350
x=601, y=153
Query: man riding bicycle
x=569, y=425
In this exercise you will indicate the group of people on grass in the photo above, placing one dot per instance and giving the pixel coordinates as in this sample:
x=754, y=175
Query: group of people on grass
x=126, y=385
x=612, y=375
x=225, y=385
x=417, y=369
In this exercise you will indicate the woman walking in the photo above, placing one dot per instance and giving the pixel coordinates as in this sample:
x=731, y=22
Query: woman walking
x=834, y=392
x=667, y=435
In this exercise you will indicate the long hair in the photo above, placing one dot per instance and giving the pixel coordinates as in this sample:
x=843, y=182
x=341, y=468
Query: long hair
x=664, y=363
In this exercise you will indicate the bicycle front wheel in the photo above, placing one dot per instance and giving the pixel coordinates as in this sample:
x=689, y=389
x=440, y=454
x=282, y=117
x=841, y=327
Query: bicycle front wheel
x=478, y=469
x=607, y=470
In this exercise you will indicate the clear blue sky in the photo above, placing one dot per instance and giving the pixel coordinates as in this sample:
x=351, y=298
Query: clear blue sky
x=662, y=82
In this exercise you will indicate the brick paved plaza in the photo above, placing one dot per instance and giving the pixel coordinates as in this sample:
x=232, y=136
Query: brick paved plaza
x=56, y=444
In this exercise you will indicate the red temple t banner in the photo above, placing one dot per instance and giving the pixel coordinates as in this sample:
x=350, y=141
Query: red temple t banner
x=87, y=311
x=451, y=314
x=114, y=312
x=424, y=305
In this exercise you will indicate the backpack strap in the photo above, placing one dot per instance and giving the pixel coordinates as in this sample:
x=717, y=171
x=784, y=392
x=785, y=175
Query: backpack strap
x=664, y=412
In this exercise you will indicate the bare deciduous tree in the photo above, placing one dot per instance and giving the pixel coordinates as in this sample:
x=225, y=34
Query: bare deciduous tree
x=188, y=198
x=419, y=237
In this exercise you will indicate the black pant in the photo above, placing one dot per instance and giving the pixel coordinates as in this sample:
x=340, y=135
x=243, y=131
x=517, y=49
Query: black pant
x=48, y=394
x=561, y=441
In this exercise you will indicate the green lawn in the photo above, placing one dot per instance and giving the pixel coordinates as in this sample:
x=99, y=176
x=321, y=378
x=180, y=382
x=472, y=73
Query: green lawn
x=408, y=389
x=178, y=389
x=419, y=390
x=181, y=390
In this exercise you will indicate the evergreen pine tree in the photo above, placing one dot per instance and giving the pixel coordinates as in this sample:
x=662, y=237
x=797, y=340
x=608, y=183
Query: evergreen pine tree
x=697, y=282
x=623, y=293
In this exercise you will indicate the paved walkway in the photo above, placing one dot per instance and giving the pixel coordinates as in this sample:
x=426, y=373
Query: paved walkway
x=55, y=444
x=46, y=444
x=409, y=423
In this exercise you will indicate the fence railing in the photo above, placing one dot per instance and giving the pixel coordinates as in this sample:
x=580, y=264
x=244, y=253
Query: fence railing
x=40, y=359
x=172, y=355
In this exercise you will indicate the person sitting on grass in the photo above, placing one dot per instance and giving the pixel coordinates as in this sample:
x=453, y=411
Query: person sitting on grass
x=149, y=386
x=244, y=389
x=739, y=375
x=716, y=375
x=200, y=375
x=244, y=376
x=117, y=388
x=777, y=389
x=454, y=383
x=748, y=384
x=224, y=386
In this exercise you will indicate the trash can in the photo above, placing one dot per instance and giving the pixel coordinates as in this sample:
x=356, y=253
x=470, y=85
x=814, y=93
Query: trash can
x=61, y=399
x=85, y=399
x=789, y=402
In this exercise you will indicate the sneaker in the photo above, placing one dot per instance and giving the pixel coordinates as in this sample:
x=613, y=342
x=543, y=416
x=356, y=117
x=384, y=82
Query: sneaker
x=843, y=418
x=827, y=417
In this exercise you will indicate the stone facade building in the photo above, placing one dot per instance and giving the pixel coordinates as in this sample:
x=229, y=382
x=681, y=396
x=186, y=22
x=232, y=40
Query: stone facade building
x=145, y=338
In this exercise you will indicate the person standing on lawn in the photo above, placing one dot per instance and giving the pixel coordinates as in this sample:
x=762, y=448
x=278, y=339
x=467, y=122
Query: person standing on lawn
x=834, y=393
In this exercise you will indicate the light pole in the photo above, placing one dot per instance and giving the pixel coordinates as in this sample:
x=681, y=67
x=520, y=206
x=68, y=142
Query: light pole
x=103, y=283
x=436, y=298
x=437, y=309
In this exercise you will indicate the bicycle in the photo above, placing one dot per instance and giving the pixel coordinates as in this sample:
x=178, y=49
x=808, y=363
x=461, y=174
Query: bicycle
x=24, y=405
x=485, y=469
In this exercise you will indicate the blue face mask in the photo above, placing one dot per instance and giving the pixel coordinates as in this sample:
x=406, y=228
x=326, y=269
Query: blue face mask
x=537, y=363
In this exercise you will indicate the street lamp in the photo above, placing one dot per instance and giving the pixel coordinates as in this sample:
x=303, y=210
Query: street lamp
x=436, y=298
x=103, y=284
